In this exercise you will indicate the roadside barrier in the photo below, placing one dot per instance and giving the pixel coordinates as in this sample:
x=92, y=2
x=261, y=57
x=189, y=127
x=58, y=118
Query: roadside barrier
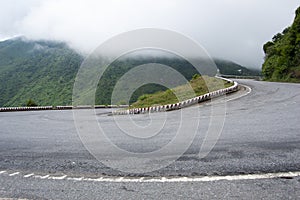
x=182, y=104
x=36, y=108
x=10, y=109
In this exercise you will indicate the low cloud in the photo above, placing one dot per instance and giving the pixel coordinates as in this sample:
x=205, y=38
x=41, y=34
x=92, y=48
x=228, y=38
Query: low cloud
x=230, y=29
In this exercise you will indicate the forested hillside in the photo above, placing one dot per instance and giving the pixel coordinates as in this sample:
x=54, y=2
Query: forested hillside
x=44, y=71
x=282, y=54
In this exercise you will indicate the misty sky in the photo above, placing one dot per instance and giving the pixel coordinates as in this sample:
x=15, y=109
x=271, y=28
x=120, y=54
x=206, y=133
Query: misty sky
x=229, y=29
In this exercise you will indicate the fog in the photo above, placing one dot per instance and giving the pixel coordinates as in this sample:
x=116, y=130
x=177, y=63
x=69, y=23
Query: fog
x=229, y=29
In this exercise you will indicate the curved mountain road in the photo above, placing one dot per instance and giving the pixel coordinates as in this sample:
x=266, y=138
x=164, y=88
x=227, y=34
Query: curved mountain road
x=260, y=135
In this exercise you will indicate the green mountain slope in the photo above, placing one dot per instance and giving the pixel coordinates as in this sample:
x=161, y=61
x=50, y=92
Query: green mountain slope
x=44, y=71
x=282, y=59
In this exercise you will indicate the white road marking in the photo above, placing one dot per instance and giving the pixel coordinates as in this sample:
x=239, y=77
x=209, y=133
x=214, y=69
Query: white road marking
x=57, y=177
x=44, y=177
x=167, y=179
x=195, y=179
x=226, y=98
x=14, y=174
x=75, y=179
x=249, y=91
x=100, y=179
x=28, y=175
x=38, y=176
x=120, y=179
x=141, y=179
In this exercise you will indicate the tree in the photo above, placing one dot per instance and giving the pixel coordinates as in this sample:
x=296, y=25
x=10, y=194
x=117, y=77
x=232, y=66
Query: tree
x=282, y=54
x=267, y=46
x=277, y=37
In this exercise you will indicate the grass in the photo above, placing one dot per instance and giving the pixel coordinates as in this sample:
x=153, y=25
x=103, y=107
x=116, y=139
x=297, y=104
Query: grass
x=195, y=87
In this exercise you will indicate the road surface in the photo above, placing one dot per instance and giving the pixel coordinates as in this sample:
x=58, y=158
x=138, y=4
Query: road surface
x=42, y=156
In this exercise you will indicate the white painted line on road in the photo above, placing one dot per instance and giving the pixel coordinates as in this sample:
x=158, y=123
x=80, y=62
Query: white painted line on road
x=28, y=175
x=190, y=179
x=75, y=179
x=57, y=177
x=166, y=179
x=249, y=91
x=14, y=174
x=100, y=179
x=38, y=176
x=44, y=177
x=120, y=179
x=198, y=179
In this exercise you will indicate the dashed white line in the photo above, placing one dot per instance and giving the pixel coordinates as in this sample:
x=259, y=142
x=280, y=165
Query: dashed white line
x=198, y=179
x=165, y=179
x=14, y=174
x=75, y=179
x=101, y=179
x=234, y=98
x=28, y=175
x=141, y=179
x=38, y=176
x=120, y=179
x=44, y=177
x=57, y=177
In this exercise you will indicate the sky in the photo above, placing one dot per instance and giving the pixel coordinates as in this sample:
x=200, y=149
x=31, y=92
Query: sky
x=230, y=29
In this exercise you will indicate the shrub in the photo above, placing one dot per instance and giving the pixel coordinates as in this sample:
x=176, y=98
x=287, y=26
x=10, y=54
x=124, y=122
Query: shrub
x=31, y=103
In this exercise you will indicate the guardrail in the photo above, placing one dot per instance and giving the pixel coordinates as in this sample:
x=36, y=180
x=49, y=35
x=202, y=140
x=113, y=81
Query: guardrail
x=182, y=104
x=36, y=108
x=10, y=109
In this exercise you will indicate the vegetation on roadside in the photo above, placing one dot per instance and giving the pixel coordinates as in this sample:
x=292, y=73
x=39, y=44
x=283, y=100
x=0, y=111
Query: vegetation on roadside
x=31, y=103
x=39, y=70
x=282, y=54
x=195, y=87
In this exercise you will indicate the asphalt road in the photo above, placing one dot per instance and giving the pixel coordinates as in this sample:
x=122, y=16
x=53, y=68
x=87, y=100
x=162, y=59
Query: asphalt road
x=260, y=135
